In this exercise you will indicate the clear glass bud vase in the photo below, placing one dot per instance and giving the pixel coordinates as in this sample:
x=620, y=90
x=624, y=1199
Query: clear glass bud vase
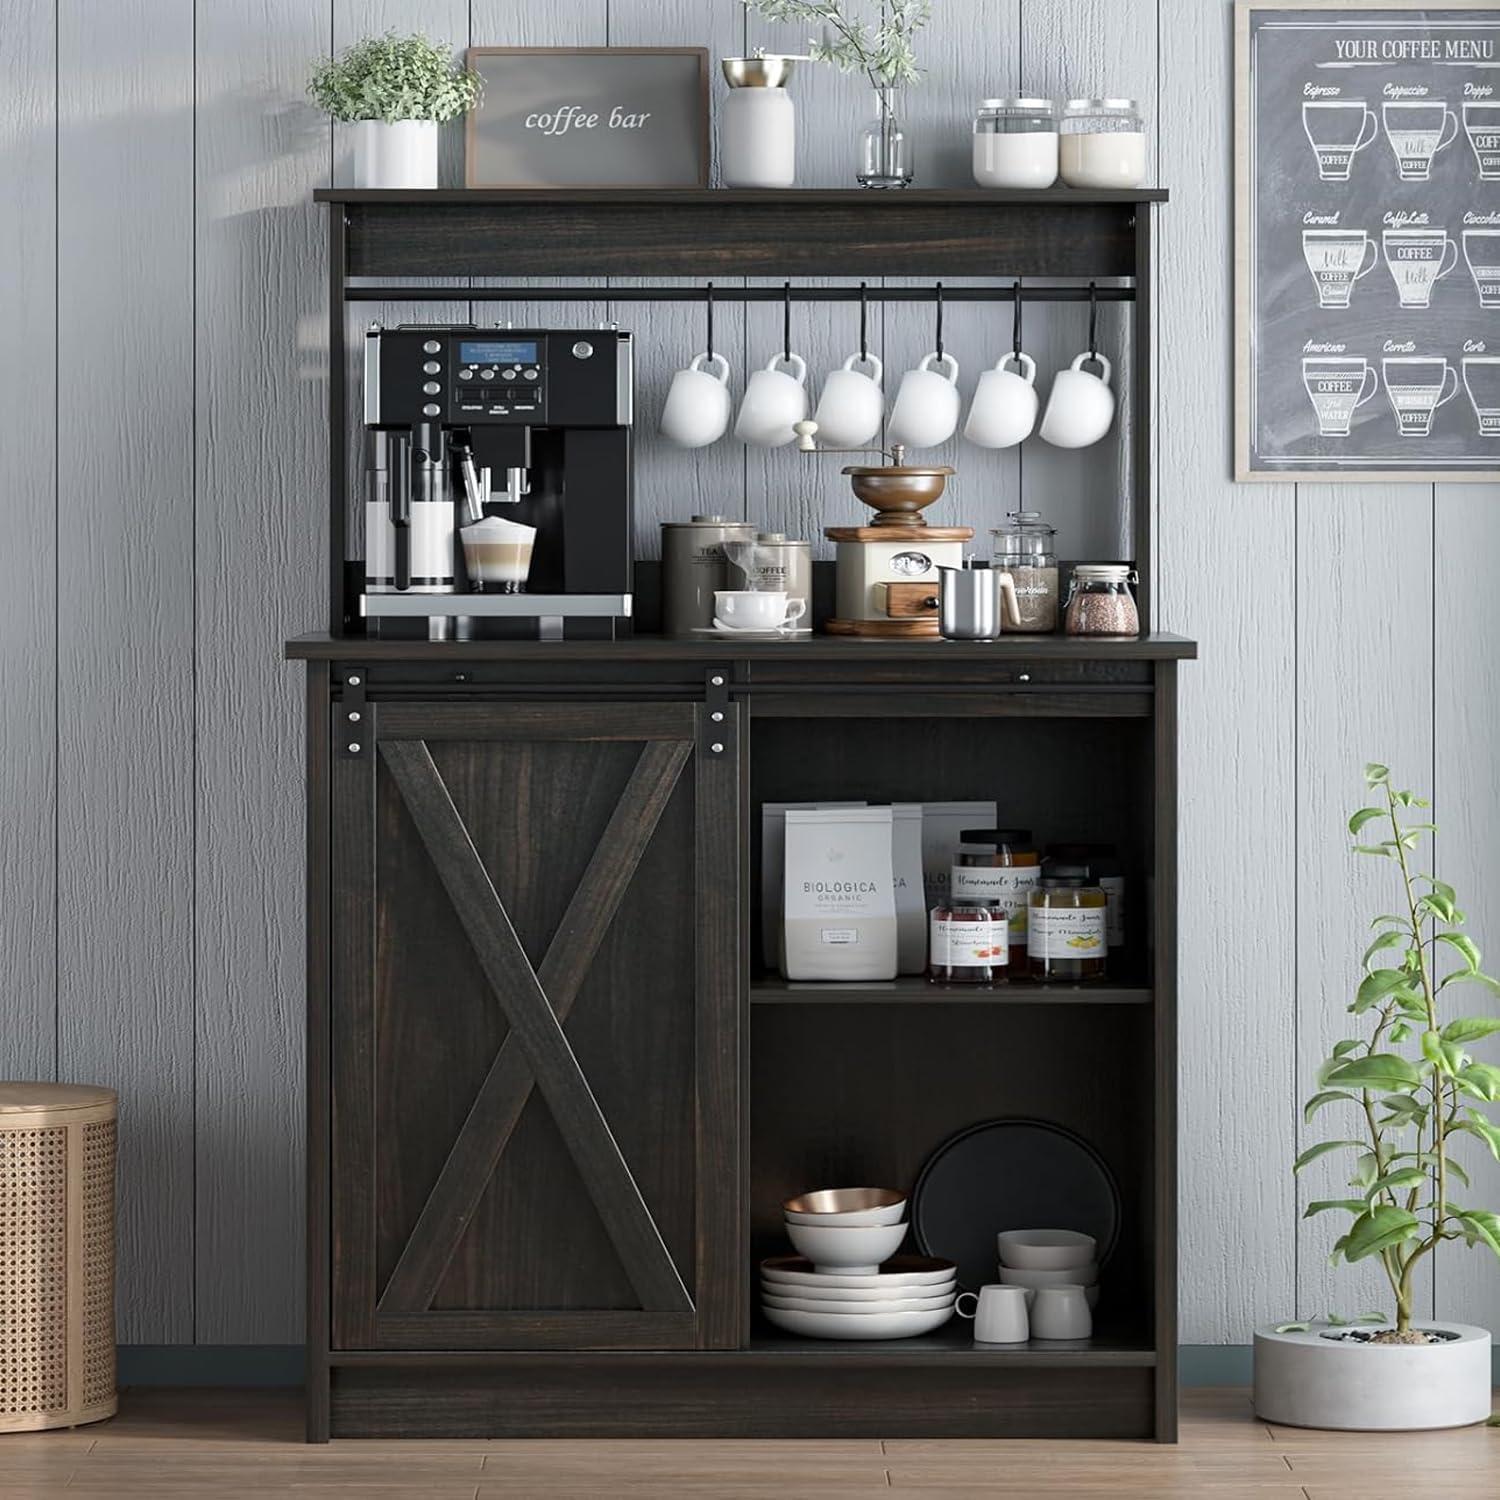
x=885, y=157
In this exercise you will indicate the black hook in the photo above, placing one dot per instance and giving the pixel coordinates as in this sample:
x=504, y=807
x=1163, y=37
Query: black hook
x=786, y=322
x=864, y=323
x=1016, y=322
x=938, y=341
x=1093, y=318
x=708, y=341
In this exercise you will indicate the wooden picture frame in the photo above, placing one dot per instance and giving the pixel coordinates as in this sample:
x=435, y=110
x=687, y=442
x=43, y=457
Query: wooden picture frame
x=505, y=147
x=1476, y=464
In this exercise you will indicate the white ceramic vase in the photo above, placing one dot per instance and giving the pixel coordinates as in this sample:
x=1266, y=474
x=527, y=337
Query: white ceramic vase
x=402, y=154
x=1310, y=1380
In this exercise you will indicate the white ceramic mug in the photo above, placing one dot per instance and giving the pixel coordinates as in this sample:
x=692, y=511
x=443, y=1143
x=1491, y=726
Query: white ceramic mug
x=999, y=1314
x=697, y=407
x=1005, y=403
x=852, y=404
x=774, y=400
x=1060, y=1312
x=1081, y=406
x=751, y=609
x=926, y=408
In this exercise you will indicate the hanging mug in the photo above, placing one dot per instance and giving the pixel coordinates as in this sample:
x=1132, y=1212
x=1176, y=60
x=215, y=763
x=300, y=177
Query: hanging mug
x=1081, y=406
x=926, y=410
x=774, y=400
x=1004, y=407
x=697, y=408
x=851, y=406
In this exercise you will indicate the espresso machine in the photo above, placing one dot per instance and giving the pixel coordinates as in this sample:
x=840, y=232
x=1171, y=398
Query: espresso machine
x=531, y=426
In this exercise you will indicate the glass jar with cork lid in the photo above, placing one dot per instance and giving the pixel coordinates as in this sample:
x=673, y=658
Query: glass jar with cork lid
x=1026, y=549
x=1067, y=936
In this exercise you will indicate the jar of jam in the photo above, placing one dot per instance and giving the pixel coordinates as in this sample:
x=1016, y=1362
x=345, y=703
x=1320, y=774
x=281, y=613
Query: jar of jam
x=999, y=866
x=967, y=943
x=1105, y=871
x=1066, y=937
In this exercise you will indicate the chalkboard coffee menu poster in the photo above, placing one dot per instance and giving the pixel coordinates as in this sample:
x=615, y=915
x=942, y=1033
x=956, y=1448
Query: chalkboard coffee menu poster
x=1367, y=254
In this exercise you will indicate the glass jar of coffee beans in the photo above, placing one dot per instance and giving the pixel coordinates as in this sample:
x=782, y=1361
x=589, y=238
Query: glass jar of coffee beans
x=1026, y=549
x=1100, y=601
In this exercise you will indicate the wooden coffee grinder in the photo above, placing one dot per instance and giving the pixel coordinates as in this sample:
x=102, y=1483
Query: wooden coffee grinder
x=886, y=578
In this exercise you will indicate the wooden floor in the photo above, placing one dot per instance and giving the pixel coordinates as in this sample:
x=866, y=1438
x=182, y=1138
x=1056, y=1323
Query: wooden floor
x=233, y=1445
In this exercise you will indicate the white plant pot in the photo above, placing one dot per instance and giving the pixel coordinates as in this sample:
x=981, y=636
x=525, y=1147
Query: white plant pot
x=1309, y=1380
x=399, y=155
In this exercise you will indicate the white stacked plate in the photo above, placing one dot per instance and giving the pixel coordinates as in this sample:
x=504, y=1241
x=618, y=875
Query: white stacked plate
x=908, y=1295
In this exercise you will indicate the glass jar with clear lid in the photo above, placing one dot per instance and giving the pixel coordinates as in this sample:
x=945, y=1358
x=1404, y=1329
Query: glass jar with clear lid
x=1103, y=144
x=1100, y=601
x=1026, y=549
x=1015, y=143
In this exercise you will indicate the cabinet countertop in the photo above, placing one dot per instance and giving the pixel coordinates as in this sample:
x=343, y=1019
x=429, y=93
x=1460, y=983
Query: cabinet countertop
x=320, y=646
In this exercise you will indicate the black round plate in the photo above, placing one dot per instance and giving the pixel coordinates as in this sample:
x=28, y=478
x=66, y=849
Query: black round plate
x=1010, y=1174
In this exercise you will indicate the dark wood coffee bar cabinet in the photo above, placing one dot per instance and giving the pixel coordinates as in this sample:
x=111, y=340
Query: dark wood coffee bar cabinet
x=554, y=1103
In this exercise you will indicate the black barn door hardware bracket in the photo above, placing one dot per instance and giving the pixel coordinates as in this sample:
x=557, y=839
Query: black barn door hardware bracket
x=356, y=734
x=715, y=726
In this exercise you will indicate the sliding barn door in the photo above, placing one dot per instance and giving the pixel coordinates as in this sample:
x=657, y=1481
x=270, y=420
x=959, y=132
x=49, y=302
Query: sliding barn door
x=536, y=1029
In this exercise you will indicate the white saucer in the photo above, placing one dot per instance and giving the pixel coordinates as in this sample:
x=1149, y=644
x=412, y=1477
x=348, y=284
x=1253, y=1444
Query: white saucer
x=782, y=634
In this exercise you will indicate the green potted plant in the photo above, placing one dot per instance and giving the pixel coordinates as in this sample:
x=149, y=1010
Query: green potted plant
x=395, y=91
x=882, y=50
x=1406, y=1092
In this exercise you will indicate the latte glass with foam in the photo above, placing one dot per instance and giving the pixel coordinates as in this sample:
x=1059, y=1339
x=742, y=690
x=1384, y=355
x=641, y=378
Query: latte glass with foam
x=497, y=554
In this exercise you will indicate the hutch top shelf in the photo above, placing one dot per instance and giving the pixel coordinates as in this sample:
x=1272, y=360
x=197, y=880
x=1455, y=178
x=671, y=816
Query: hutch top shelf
x=698, y=232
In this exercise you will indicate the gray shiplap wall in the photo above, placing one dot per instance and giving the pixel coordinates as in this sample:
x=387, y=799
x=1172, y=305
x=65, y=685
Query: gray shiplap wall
x=157, y=159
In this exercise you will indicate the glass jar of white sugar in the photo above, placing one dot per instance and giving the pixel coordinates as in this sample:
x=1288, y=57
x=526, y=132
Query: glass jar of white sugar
x=1015, y=143
x=1103, y=144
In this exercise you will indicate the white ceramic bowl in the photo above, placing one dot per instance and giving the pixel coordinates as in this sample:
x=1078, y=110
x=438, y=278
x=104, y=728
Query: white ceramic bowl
x=854, y=1296
x=852, y=1208
x=858, y=1309
x=1046, y=1249
x=1083, y=1276
x=901, y=1270
x=1091, y=1293
x=856, y=1251
x=885, y=1325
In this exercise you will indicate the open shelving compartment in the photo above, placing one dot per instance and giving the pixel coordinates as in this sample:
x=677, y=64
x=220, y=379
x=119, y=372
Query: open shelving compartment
x=856, y=1084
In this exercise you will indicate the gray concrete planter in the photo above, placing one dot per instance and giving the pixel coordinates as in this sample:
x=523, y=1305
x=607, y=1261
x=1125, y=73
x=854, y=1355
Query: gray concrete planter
x=1312, y=1380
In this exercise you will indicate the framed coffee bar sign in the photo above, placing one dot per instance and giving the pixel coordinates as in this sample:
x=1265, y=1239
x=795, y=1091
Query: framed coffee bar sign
x=589, y=117
x=1367, y=254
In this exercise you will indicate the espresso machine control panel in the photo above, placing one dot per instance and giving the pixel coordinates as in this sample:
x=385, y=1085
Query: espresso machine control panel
x=499, y=380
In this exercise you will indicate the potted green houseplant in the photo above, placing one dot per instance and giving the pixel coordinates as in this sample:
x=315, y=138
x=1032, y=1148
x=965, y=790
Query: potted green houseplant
x=882, y=50
x=1405, y=1093
x=395, y=91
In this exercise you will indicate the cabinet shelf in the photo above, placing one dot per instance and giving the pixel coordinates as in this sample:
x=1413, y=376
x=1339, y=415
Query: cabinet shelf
x=915, y=990
x=954, y=1343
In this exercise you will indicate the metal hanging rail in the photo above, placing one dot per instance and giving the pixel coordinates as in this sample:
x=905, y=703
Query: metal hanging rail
x=721, y=293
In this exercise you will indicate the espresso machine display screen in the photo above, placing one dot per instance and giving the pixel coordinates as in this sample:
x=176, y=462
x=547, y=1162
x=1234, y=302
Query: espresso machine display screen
x=498, y=482
x=492, y=352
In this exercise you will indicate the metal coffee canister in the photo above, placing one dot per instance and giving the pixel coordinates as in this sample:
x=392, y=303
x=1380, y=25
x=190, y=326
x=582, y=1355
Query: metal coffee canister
x=772, y=563
x=692, y=567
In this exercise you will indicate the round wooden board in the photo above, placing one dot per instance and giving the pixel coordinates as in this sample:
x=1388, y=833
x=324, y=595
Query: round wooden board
x=926, y=629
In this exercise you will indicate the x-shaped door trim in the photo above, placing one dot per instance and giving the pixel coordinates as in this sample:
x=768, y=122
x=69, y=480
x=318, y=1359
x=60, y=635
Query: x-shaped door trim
x=535, y=1053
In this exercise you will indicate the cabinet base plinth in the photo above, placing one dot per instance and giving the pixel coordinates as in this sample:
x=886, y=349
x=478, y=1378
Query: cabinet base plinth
x=739, y=1395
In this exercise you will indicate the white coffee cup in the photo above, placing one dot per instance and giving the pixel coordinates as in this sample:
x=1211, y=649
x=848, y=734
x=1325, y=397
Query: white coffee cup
x=1005, y=403
x=697, y=407
x=927, y=405
x=999, y=1314
x=1081, y=406
x=755, y=609
x=773, y=401
x=852, y=404
x=1061, y=1312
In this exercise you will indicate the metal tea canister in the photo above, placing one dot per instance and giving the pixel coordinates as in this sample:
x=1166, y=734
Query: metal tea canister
x=693, y=566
